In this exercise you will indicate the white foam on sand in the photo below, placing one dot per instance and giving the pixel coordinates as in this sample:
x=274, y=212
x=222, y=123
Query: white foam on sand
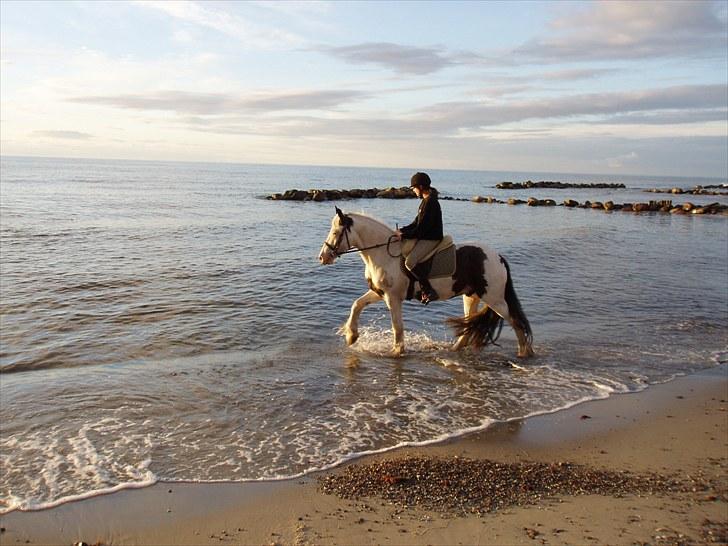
x=16, y=503
x=72, y=461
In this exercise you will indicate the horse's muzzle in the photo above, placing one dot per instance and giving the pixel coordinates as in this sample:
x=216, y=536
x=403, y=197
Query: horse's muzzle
x=327, y=257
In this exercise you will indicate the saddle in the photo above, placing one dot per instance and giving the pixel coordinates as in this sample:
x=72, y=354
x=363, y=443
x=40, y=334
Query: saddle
x=440, y=262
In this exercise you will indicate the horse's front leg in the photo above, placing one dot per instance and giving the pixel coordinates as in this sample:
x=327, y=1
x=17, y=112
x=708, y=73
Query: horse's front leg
x=395, y=310
x=351, y=328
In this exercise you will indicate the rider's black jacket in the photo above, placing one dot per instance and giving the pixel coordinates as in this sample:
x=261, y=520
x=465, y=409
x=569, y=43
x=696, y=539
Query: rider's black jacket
x=428, y=224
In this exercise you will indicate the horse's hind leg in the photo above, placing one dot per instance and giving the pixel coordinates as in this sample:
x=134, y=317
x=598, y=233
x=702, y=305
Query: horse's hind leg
x=470, y=307
x=351, y=327
x=524, y=347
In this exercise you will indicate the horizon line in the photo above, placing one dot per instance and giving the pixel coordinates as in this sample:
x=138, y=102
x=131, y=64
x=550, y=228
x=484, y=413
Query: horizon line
x=413, y=169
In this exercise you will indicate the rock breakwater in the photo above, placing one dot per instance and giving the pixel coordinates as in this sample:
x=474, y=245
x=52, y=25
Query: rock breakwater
x=334, y=195
x=528, y=184
x=651, y=206
x=404, y=192
x=697, y=190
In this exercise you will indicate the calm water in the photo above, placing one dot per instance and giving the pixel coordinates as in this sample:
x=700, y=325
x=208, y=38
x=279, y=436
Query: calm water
x=162, y=321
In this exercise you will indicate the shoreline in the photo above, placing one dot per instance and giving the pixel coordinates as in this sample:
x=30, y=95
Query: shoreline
x=328, y=468
x=675, y=427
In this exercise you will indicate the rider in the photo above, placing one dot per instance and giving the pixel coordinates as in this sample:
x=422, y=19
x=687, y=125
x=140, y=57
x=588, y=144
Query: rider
x=426, y=230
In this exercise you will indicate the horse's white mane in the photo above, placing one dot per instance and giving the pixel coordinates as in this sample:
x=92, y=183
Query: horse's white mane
x=372, y=218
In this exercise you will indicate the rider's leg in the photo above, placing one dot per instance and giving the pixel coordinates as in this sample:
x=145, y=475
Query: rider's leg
x=421, y=249
x=428, y=293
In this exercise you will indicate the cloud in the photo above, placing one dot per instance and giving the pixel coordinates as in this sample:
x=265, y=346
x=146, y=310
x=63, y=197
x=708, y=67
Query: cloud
x=282, y=114
x=619, y=161
x=631, y=30
x=600, y=31
x=64, y=135
x=294, y=9
x=670, y=117
x=182, y=36
x=573, y=74
x=500, y=85
x=651, y=107
x=240, y=28
x=399, y=58
x=473, y=115
x=205, y=104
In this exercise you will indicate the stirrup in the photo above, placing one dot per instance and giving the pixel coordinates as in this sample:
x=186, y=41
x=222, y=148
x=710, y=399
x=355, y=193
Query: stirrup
x=427, y=296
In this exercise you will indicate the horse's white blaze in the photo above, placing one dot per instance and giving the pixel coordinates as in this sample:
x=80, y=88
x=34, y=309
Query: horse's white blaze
x=327, y=255
x=389, y=283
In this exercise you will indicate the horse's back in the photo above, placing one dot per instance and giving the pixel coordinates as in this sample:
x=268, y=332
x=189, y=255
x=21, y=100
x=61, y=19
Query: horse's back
x=494, y=272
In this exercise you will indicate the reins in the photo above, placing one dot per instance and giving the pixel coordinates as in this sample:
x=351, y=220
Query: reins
x=334, y=248
x=353, y=249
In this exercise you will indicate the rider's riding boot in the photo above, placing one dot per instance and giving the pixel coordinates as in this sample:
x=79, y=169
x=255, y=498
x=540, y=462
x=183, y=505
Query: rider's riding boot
x=428, y=294
x=419, y=273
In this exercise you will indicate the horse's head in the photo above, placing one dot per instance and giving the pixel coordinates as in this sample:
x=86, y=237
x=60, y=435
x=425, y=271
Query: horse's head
x=337, y=241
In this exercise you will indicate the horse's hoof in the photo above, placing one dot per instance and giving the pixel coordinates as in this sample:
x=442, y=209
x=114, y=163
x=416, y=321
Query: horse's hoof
x=351, y=338
x=526, y=354
x=398, y=351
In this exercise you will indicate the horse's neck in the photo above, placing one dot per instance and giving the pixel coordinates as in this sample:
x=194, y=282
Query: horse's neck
x=371, y=232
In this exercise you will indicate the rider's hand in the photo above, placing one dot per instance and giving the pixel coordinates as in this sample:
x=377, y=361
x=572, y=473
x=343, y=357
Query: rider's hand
x=398, y=235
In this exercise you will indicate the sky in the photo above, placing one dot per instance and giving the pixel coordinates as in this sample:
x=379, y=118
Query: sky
x=637, y=87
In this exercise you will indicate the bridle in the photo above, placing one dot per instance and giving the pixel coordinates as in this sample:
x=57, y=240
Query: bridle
x=347, y=222
x=335, y=247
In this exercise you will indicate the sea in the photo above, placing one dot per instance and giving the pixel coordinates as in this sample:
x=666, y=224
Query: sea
x=164, y=322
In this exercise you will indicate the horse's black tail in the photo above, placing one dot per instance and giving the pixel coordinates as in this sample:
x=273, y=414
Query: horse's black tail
x=480, y=329
x=514, y=306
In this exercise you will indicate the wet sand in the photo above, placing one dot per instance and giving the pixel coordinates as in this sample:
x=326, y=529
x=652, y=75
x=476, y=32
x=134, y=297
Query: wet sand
x=676, y=432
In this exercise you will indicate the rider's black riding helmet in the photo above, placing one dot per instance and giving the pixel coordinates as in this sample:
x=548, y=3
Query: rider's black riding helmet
x=420, y=180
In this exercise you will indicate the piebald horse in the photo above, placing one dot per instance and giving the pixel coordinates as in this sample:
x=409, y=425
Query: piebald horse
x=481, y=275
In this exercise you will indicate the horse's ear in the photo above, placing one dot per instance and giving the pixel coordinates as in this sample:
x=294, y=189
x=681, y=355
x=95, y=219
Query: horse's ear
x=345, y=220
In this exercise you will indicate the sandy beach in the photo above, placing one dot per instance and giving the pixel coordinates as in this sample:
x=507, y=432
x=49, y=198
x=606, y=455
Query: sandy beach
x=677, y=431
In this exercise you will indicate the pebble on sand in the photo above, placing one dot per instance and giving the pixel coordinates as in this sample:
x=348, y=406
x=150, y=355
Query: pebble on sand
x=462, y=486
